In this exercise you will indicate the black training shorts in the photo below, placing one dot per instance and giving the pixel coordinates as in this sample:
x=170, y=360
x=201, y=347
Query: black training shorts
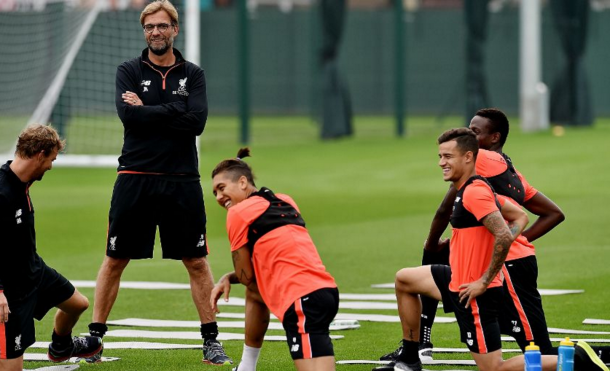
x=307, y=323
x=479, y=326
x=522, y=316
x=141, y=202
x=18, y=333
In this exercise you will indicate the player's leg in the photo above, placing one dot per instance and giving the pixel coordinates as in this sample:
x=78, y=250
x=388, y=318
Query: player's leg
x=430, y=305
x=257, y=322
x=17, y=334
x=409, y=285
x=69, y=312
x=522, y=315
x=15, y=364
x=56, y=291
x=63, y=345
x=182, y=229
x=307, y=325
x=131, y=235
x=107, y=287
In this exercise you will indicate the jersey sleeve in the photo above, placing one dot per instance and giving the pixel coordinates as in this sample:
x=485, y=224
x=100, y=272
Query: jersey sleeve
x=479, y=200
x=529, y=190
x=237, y=229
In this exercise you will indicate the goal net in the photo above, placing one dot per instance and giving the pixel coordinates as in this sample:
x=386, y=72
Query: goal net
x=58, y=66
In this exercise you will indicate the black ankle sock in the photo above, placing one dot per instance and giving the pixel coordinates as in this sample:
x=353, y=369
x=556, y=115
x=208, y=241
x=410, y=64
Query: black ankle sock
x=409, y=352
x=98, y=329
x=209, y=331
x=61, y=341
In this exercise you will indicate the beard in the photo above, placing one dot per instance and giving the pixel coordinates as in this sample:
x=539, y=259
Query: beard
x=161, y=50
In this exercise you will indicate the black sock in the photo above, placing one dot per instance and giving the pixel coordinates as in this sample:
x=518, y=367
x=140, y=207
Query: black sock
x=428, y=314
x=209, y=331
x=409, y=352
x=98, y=329
x=61, y=341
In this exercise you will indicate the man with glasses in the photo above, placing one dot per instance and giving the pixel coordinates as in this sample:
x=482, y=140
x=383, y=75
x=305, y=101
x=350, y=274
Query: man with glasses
x=161, y=100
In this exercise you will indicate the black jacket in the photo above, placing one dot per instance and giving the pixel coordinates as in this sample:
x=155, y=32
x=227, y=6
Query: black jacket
x=20, y=266
x=160, y=136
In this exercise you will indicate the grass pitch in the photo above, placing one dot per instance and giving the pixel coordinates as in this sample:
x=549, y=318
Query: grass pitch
x=368, y=202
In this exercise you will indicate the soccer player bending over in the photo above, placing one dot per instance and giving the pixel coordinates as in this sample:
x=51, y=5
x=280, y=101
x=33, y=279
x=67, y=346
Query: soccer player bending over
x=275, y=258
x=28, y=287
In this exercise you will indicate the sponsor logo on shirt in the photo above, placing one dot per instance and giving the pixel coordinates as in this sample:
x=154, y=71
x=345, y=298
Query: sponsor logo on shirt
x=145, y=84
x=182, y=89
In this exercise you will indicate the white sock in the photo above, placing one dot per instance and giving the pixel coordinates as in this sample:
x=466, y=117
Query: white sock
x=249, y=358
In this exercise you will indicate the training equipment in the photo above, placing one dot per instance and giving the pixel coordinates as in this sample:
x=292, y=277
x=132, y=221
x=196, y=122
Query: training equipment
x=533, y=358
x=565, y=359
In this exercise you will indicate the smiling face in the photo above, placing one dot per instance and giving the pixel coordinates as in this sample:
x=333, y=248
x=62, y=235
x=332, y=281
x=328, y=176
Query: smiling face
x=44, y=163
x=230, y=192
x=160, y=42
x=456, y=166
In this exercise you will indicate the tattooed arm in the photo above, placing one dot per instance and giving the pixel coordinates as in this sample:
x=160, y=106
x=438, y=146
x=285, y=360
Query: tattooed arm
x=515, y=217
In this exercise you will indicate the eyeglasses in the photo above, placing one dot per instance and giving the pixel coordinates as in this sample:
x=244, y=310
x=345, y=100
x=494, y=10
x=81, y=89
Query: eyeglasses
x=162, y=27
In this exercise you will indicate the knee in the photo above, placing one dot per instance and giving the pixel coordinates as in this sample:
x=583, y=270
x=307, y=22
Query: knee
x=81, y=303
x=196, y=265
x=402, y=279
x=114, y=265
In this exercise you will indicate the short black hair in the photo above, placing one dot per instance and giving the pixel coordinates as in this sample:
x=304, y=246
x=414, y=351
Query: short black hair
x=466, y=139
x=498, y=120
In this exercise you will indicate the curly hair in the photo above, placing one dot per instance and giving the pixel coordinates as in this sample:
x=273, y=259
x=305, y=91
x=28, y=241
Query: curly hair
x=38, y=138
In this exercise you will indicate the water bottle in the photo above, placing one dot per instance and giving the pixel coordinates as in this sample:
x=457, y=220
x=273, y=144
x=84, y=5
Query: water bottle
x=565, y=359
x=533, y=358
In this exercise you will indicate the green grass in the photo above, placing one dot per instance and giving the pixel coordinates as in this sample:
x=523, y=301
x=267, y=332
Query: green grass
x=367, y=201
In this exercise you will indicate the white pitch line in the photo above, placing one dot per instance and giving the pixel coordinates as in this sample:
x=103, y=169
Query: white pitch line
x=55, y=368
x=44, y=357
x=508, y=338
x=131, y=345
x=337, y=325
x=543, y=292
x=185, y=335
x=453, y=362
x=590, y=321
x=138, y=285
x=553, y=330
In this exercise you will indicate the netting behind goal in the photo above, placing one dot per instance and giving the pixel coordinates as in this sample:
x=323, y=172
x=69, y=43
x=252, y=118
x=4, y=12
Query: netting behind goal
x=58, y=66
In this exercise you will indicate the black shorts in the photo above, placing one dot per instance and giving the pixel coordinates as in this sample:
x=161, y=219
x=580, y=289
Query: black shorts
x=141, y=202
x=307, y=323
x=18, y=333
x=479, y=326
x=522, y=316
